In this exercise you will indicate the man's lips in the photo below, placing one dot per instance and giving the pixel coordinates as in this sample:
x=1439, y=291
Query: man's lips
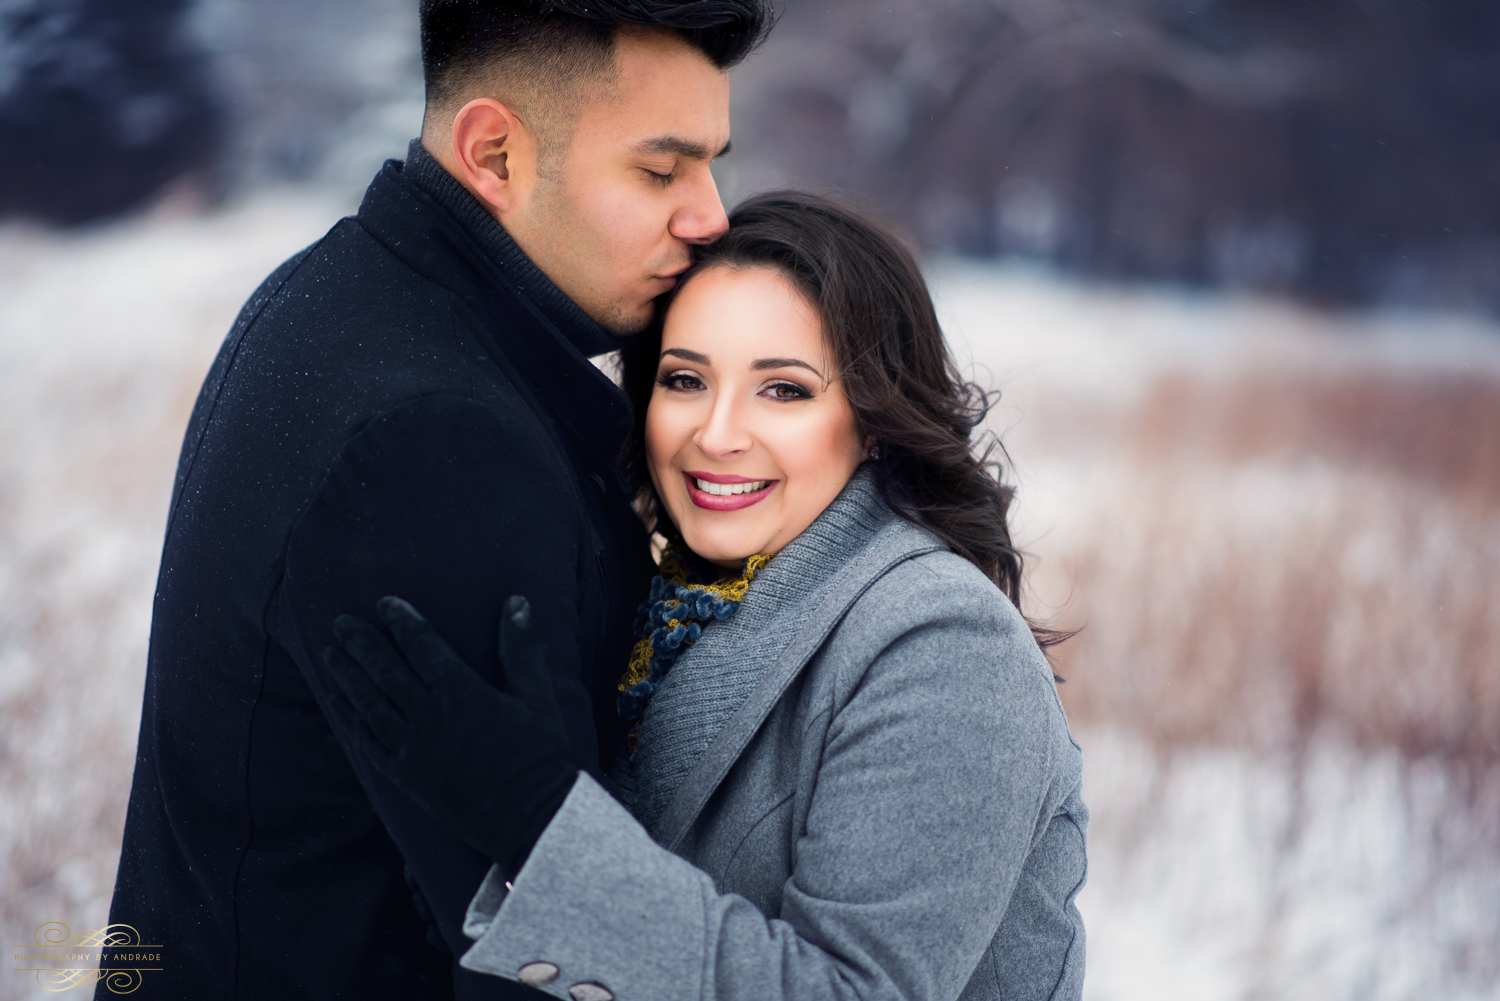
x=669, y=280
x=716, y=501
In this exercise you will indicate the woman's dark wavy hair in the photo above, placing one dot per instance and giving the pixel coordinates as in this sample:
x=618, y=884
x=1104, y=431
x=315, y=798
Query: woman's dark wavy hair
x=900, y=378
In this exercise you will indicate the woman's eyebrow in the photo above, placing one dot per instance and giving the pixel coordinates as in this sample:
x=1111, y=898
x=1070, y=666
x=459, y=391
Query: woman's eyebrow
x=765, y=363
x=686, y=355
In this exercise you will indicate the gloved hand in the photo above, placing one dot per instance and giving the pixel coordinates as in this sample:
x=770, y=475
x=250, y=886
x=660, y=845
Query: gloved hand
x=419, y=902
x=491, y=767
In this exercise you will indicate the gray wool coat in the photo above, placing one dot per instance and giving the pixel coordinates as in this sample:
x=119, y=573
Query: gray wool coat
x=861, y=786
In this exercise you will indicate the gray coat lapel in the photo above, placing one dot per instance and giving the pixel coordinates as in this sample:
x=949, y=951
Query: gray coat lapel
x=897, y=542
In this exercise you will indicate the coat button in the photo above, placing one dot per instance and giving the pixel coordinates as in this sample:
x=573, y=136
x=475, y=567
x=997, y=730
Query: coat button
x=590, y=992
x=537, y=974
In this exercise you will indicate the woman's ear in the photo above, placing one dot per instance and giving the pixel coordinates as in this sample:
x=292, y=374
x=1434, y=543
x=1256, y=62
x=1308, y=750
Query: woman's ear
x=495, y=154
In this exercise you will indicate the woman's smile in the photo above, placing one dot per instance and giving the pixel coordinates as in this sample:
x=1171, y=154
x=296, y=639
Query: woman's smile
x=726, y=492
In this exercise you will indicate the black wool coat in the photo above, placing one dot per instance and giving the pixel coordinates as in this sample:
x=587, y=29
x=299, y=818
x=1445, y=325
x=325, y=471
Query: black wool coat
x=403, y=408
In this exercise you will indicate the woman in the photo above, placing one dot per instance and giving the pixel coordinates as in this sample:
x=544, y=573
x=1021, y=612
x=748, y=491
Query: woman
x=851, y=775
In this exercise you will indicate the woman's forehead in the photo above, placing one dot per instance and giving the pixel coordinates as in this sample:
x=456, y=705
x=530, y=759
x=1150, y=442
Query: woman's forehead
x=736, y=316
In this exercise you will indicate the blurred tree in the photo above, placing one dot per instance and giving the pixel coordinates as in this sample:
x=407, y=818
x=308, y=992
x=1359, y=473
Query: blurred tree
x=102, y=103
x=314, y=90
x=1344, y=150
x=1347, y=150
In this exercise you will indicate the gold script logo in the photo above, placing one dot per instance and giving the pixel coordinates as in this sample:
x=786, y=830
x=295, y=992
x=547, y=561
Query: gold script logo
x=63, y=961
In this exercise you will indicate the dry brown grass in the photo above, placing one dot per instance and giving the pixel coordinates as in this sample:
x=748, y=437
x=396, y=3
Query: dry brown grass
x=1438, y=430
x=1257, y=560
x=1287, y=682
x=80, y=518
x=1282, y=557
x=104, y=338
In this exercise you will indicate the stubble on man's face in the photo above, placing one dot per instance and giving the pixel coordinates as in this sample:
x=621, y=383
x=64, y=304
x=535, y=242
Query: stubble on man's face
x=615, y=212
x=595, y=273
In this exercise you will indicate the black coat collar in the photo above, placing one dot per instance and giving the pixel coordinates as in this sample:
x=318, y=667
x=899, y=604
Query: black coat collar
x=433, y=225
x=577, y=326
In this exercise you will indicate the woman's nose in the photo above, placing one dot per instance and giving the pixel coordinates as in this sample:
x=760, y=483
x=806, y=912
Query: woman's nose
x=724, y=434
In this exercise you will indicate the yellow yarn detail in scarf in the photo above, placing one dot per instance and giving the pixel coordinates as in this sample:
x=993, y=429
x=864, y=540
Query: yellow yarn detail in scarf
x=674, y=571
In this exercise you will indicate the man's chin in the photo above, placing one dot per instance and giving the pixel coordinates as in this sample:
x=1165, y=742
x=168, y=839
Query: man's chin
x=623, y=323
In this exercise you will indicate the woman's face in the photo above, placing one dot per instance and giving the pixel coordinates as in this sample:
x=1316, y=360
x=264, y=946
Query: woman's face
x=749, y=435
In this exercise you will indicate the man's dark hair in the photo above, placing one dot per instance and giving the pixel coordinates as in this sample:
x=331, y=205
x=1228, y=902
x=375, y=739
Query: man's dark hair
x=559, y=42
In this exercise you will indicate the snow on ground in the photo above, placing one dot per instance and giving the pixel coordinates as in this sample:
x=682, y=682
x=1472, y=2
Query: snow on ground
x=104, y=337
x=1261, y=868
x=1215, y=877
x=1216, y=871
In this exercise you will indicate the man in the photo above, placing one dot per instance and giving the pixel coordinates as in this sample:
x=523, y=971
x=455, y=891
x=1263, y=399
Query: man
x=407, y=408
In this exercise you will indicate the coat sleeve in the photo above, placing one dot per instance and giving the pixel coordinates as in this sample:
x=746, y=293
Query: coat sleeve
x=453, y=505
x=936, y=779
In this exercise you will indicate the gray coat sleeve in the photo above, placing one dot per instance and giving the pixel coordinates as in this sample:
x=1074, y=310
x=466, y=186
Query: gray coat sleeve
x=937, y=781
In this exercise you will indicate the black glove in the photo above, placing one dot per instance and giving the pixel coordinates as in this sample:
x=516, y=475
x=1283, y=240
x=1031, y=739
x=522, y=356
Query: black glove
x=424, y=911
x=492, y=767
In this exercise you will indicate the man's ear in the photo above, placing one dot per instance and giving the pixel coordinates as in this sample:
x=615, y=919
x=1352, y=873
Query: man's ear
x=495, y=153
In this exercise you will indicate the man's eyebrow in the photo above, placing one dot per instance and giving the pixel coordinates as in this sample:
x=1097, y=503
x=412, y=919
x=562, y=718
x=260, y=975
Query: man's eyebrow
x=677, y=146
x=765, y=363
x=687, y=355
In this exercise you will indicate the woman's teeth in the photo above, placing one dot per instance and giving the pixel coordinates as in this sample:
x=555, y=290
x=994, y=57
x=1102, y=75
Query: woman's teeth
x=730, y=489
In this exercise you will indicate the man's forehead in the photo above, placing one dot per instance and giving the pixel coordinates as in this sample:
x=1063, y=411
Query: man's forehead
x=666, y=98
x=655, y=125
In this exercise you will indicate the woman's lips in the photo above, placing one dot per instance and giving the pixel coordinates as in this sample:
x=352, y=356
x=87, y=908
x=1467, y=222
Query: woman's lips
x=725, y=502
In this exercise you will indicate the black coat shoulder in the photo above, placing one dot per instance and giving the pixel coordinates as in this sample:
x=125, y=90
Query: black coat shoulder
x=369, y=427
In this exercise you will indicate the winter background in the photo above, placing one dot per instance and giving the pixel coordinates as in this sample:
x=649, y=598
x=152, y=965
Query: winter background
x=1234, y=266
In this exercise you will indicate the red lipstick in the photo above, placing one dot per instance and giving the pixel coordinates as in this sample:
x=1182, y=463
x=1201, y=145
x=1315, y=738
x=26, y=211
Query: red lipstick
x=731, y=502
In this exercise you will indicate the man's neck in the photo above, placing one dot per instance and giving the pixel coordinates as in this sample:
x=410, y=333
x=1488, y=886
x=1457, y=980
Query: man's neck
x=428, y=173
x=442, y=154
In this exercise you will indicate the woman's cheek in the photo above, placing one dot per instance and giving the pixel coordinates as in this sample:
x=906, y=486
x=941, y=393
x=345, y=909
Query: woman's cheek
x=670, y=425
x=817, y=448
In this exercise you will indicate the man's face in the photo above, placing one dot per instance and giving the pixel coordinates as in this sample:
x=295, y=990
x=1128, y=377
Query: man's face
x=612, y=218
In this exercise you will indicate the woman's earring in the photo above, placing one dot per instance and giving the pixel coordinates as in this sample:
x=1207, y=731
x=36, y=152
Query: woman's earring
x=874, y=451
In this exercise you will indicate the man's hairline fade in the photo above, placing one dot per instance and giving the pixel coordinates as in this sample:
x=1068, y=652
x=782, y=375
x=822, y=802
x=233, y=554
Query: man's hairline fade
x=567, y=44
x=540, y=88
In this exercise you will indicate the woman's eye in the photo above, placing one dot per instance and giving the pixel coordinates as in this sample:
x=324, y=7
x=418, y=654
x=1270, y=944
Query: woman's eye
x=682, y=382
x=786, y=391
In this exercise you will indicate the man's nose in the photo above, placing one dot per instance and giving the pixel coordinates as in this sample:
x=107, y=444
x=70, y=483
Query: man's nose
x=701, y=218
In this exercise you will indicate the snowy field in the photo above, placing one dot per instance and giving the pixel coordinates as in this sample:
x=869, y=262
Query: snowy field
x=1279, y=530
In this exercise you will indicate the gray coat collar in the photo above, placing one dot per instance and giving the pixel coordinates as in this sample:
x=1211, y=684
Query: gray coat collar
x=719, y=693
